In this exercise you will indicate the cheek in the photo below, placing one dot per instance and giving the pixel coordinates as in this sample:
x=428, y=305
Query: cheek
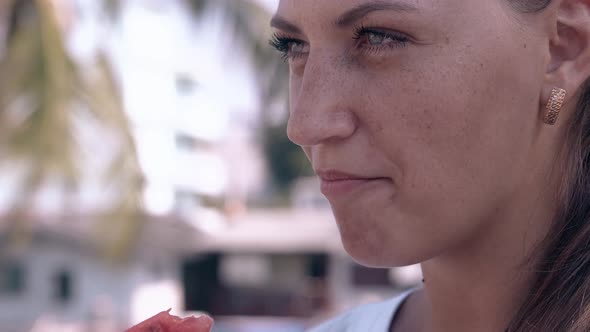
x=294, y=82
x=457, y=136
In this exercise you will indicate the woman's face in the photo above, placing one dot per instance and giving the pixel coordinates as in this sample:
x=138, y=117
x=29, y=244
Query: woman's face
x=420, y=116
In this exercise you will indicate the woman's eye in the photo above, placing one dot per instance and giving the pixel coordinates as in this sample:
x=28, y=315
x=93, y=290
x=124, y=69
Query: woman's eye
x=374, y=40
x=289, y=48
x=368, y=40
x=378, y=39
x=296, y=48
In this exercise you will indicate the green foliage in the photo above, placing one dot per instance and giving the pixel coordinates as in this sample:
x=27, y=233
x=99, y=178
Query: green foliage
x=287, y=161
x=43, y=93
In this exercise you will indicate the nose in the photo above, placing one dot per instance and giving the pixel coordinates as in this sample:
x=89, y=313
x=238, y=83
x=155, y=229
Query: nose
x=321, y=107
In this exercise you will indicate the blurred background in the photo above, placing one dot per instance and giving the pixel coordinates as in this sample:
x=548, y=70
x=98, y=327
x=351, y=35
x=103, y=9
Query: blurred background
x=145, y=166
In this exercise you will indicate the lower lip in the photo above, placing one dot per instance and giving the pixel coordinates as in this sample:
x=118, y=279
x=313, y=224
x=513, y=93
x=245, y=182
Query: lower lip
x=346, y=187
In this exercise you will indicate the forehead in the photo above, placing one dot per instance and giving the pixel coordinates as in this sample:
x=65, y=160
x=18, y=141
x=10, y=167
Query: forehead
x=336, y=7
x=309, y=12
x=313, y=16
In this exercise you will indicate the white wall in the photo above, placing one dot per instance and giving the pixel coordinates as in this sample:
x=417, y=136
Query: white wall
x=97, y=286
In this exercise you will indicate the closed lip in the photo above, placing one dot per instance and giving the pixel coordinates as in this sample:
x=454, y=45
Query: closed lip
x=337, y=184
x=330, y=175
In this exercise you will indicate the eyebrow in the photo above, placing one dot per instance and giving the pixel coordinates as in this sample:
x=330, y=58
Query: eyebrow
x=281, y=23
x=349, y=17
x=363, y=10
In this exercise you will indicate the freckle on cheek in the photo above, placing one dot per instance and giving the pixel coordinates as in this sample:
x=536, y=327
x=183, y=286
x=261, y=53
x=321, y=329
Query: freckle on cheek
x=379, y=127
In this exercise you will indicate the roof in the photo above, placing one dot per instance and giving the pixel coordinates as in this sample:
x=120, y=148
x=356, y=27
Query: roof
x=276, y=231
x=272, y=231
x=164, y=234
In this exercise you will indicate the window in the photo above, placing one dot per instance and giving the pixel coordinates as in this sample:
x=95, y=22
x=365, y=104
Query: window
x=186, y=201
x=188, y=143
x=185, y=85
x=185, y=142
x=317, y=266
x=256, y=284
x=243, y=270
x=63, y=286
x=12, y=278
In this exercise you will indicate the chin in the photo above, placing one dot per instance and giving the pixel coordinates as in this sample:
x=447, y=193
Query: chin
x=381, y=240
x=379, y=252
x=379, y=260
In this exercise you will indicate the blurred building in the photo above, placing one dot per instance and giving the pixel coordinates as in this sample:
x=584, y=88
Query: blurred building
x=176, y=84
x=193, y=141
x=61, y=281
x=282, y=270
x=191, y=104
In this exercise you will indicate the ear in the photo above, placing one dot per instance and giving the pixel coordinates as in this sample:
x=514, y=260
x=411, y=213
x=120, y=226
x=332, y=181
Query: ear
x=569, y=47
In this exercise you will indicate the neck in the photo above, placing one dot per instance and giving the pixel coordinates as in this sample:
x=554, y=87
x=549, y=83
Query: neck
x=480, y=285
x=477, y=299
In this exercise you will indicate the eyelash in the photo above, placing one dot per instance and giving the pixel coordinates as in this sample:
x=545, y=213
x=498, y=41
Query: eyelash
x=399, y=40
x=283, y=44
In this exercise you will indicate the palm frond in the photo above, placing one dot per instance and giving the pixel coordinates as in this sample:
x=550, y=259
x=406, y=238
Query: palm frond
x=42, y=93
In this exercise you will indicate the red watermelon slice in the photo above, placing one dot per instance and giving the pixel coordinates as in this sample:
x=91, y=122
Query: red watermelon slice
x=164, y=322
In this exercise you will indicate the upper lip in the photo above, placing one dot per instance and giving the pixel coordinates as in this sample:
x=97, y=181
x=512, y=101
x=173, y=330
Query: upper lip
x=335, y=175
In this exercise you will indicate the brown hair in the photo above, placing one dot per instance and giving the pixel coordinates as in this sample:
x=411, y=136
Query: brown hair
x=559, y=299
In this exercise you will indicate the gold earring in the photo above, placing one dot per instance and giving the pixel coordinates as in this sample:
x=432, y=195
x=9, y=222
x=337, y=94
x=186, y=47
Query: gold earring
x=554, y=106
